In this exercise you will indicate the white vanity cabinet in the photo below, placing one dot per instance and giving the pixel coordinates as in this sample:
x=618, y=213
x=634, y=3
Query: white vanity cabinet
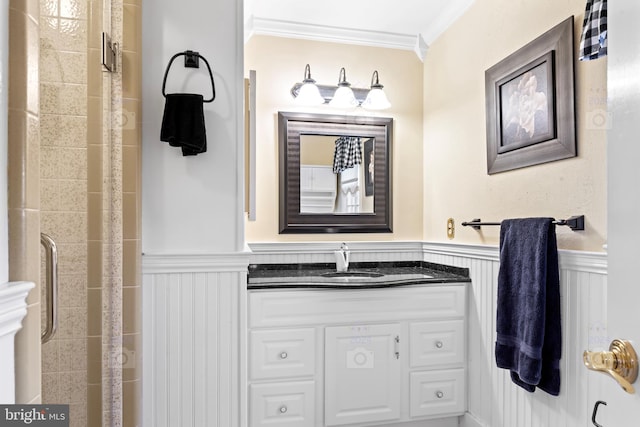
x=364, y=357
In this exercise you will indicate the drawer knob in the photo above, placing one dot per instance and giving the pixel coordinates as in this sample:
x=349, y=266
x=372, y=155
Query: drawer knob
x=283, y=409
x=439, y=344
x=283, y=355
x=439, y=394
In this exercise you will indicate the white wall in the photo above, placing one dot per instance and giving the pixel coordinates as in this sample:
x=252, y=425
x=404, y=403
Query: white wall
x=193, y=204
x=4, y=78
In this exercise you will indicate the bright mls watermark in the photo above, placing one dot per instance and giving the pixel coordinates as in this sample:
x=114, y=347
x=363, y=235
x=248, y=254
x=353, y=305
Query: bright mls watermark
x=360, y=358
x=34, y=415
x=124, y=119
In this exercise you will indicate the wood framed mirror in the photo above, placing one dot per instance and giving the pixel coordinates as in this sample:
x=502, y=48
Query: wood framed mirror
x=335, y=173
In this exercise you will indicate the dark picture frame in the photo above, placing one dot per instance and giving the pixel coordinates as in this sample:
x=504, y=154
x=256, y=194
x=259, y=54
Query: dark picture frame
x=530, y=103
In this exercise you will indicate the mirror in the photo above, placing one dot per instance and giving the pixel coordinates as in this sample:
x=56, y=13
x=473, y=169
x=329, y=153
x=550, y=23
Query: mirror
x=335, y=173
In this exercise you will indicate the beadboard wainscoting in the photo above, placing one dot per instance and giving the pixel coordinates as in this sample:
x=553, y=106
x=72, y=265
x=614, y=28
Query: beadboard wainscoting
x=193, y=340
x=493, y=401
x=194, y=328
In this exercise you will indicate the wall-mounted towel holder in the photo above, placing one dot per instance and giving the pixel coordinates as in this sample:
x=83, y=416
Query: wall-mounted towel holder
x=575, y=223
x=191, y=60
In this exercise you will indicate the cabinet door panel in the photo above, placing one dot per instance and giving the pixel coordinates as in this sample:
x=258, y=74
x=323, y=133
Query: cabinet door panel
x=437, y=343
x=287, y=404
x=362, y=374
x=437, y=393
x=282, y=353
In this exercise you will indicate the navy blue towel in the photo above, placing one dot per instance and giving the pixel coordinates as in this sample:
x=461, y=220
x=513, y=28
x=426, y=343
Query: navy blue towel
x=529, y=340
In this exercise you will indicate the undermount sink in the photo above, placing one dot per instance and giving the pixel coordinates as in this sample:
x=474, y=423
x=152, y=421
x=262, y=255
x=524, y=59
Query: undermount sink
x=352, y=274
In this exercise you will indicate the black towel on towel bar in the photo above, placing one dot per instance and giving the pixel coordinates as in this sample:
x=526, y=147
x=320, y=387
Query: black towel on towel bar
x=183, y=123
x=529, y=339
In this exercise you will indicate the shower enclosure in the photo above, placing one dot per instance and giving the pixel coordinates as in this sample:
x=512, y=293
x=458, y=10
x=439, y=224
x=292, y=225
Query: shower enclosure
x=74, y=154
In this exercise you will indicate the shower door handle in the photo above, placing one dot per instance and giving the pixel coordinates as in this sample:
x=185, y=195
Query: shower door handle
x=51, y=253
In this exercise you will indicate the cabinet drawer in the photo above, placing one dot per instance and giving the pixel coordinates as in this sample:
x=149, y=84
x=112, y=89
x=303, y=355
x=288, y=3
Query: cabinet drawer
x=290, y=404
x=282, y=353
x=437, y=343
x=272, y=309
x=437, y=393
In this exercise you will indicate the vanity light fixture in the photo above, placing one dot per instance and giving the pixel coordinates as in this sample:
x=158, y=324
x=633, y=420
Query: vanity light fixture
x=376, y=98
x=308, y=93
x=343, y=97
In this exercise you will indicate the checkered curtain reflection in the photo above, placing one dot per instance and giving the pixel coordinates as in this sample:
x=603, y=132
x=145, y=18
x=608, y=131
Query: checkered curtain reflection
x=347, y=154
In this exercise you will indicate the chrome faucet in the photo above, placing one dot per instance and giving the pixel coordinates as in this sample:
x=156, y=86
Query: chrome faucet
x=342, y=258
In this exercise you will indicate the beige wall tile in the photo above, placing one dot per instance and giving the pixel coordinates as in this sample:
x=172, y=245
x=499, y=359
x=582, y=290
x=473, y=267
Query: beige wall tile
x=95, y=24
x=130, y=168
x=94, y=216
x=73, y=387
x=129, y=216
x=73, y=323
x=72, y=290
x=49, y=194
x=17, y=60
x=73, y=354
x=131, y=395
x=94, y=120
x=130, y=75
x=73, y=195
x=94, y=360
x=72, y=258
x=73, y=163
x=131, y=28
x=94, y=312
x=73, y=9
x=94, y=75
x=131, y=263
x=131, y=316
x=131, y=134
x=132, y=357
x=50, y=360
x=57, y=98
x=49, y=7
x=94, y=169
x=95, y=264
x=51, y=387
x=62, y=67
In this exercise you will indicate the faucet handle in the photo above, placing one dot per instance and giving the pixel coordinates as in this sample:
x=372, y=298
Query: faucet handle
x=620, y=362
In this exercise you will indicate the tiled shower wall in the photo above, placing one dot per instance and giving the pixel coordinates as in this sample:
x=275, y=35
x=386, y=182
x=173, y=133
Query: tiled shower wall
x=63, y=196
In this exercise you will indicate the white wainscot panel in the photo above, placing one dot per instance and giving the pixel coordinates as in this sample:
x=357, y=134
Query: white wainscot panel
x=193, y=341
x=493, y=400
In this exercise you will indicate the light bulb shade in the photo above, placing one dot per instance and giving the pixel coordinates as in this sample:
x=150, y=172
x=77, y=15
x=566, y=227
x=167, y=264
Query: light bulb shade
x=344, y=98
x=309, y=95
x=376, y=100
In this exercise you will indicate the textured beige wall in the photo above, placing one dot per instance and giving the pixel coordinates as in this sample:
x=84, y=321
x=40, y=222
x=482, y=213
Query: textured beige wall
x=280, y=63
x=456, y=183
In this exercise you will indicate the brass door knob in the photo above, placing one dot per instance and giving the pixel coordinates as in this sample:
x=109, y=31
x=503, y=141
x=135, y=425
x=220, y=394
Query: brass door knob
x=620, y=362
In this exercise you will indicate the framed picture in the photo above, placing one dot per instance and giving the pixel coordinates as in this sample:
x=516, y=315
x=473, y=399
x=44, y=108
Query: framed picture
x=369, y=163
x=530, y=103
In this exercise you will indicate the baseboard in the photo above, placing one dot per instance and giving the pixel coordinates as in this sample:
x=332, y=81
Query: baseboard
x=468, y=420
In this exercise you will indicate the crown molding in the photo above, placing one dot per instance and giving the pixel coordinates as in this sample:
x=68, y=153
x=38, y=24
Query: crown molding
x=325, y=33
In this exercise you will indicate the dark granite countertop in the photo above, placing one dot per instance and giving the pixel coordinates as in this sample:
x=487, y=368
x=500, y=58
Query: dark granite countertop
x=360, y=275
